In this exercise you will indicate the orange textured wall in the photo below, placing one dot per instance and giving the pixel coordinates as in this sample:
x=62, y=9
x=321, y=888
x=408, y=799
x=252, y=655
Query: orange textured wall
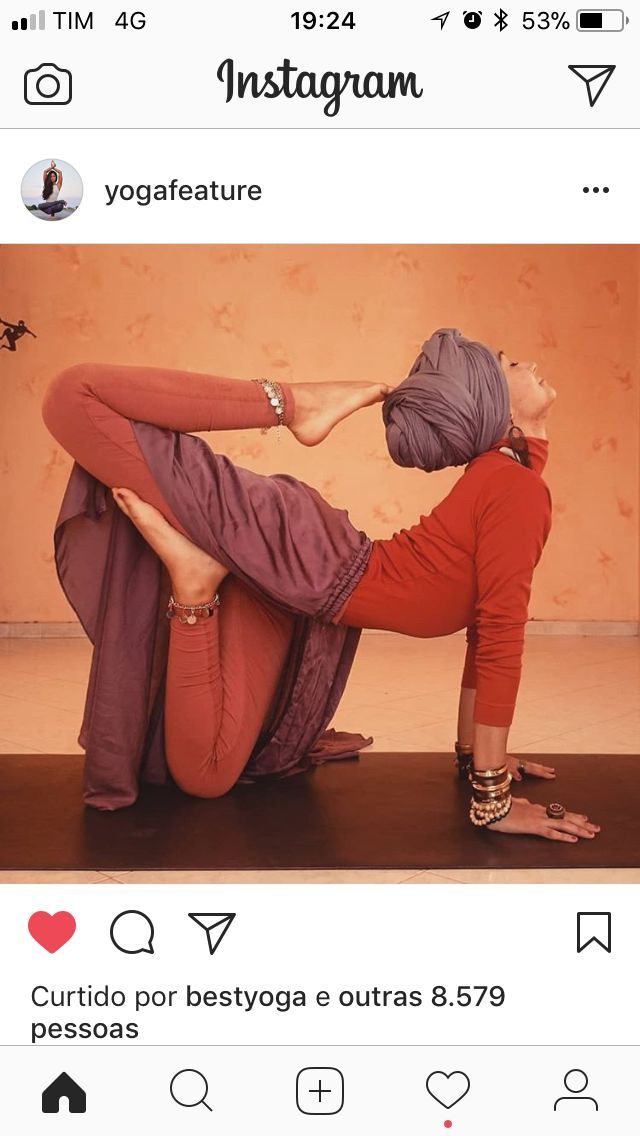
x=318, y=312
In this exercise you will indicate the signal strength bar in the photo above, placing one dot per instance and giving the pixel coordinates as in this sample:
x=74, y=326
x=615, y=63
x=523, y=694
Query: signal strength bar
x=36, y=21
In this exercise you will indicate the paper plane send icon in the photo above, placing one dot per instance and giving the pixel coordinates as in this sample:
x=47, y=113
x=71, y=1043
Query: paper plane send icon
x=595, y=77
x=214, y=925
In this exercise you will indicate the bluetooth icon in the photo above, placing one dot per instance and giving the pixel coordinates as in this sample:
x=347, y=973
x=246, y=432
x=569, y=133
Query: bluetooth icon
x=502, y=19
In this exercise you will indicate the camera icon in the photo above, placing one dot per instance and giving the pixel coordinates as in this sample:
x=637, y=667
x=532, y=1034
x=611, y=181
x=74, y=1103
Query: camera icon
x=47, y=84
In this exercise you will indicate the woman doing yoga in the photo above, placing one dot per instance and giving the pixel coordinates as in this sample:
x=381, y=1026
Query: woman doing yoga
x=52, y=203
x=468, y=564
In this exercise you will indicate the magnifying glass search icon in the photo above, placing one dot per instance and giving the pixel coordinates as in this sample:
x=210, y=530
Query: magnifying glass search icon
x=189, y=1088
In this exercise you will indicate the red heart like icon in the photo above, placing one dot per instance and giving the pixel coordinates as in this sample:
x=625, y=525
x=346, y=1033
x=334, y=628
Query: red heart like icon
x=52, y=931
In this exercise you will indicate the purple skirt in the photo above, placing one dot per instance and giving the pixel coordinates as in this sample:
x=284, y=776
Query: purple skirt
x=275, y=533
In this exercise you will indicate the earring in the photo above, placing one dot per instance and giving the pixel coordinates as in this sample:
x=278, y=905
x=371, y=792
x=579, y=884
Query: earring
x=518, y=443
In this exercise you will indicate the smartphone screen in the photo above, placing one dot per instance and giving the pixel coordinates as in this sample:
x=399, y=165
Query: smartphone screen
x=319, y=596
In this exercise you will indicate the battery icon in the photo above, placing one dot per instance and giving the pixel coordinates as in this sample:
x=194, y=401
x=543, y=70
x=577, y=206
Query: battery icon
x=601, y=20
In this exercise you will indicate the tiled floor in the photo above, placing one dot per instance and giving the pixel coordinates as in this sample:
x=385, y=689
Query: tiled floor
x=577, y=694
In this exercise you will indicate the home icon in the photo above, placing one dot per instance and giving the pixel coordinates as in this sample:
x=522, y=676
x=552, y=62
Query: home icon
x=64, y=1086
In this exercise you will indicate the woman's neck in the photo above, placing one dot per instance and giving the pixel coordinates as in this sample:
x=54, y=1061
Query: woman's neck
x=533, y=429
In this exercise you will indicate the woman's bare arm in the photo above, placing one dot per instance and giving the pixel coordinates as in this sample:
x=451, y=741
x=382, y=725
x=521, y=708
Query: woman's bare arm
x=489, y=745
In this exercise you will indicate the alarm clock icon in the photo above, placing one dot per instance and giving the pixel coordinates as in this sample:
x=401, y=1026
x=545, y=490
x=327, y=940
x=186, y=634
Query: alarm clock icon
x=472, y=20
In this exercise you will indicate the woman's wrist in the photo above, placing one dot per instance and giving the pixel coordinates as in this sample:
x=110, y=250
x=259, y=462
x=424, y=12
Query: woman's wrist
x=489, y=745
x=484, y=763
x=490, y=794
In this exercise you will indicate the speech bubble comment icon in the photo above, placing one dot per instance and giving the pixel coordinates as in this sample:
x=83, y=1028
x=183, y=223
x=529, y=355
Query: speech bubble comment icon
x=132, y=933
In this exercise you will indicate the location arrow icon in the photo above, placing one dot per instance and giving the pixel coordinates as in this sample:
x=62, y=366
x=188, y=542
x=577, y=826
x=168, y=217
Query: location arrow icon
x=214, y=924
x=442, y=18
x=596, y=78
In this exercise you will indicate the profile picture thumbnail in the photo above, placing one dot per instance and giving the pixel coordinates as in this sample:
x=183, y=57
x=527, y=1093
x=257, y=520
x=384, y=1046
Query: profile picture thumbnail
x=51, y=190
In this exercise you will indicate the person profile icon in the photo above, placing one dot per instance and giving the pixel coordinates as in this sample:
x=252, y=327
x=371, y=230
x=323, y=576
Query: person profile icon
x=575, y=1082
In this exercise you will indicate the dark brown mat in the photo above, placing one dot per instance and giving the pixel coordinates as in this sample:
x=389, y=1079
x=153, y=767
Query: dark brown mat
x=404, y=810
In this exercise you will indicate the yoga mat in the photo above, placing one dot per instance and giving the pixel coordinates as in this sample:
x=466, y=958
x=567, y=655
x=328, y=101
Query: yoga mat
x=385, y=810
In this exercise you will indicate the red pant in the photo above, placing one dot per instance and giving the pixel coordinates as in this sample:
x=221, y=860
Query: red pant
x=222, y=672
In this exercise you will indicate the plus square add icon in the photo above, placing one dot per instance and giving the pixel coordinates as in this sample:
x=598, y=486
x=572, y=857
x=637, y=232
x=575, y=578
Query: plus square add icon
x=320, y=1091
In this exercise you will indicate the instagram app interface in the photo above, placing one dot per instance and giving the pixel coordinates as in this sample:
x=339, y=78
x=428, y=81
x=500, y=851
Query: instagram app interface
x=319, y=599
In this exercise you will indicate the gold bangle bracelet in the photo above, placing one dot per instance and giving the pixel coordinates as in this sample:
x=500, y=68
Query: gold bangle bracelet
x=488, y=786
x=502, y=769
x=484, y=800
x=493, y=786
x=491, y=794
x=487, y=801
x=490, y=783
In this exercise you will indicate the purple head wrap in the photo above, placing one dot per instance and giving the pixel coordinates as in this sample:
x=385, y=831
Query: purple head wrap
x=453, y=405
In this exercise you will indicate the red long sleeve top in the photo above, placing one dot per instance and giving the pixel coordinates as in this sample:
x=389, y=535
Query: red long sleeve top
x=469, y=563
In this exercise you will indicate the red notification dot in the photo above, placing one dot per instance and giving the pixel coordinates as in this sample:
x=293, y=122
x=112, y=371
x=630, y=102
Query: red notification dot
x=448, y=1124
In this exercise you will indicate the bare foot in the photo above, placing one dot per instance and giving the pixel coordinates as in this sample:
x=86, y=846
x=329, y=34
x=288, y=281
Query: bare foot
x=195, y=576
x=320, y=406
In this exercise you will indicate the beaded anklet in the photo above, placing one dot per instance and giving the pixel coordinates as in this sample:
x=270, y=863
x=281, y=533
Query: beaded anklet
x=274, y=393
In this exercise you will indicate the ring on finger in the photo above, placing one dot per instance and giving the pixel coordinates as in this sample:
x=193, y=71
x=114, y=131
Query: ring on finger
x=522, y=767
x=555, y=810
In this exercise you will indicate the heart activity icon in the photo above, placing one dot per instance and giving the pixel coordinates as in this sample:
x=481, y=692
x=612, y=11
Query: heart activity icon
x=52, y=931
x=448, y=1089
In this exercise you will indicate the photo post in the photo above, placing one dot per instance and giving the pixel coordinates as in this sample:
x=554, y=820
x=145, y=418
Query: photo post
x=320, y=586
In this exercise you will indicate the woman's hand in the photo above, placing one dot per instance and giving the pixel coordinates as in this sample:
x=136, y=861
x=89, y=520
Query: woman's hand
x=523, y=817
x=519, y=767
